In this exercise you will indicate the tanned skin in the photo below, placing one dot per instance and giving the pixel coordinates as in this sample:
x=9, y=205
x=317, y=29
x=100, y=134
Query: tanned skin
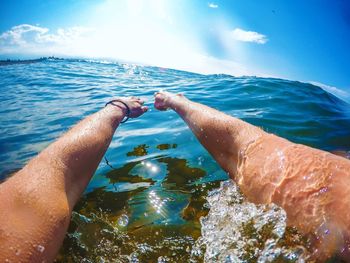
x=37, y=202
x=313, y=186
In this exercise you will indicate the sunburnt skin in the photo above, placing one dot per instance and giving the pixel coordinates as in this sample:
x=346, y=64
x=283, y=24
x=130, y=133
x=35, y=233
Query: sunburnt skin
x=313, y=186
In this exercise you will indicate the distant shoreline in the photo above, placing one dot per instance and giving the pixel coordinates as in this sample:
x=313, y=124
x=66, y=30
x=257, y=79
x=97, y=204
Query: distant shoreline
x=5, y=62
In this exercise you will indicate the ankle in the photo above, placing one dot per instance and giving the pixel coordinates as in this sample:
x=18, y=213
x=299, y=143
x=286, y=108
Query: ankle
x=177, y=102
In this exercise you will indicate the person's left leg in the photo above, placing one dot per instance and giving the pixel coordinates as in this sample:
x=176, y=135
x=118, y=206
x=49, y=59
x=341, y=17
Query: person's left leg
x=37, y=201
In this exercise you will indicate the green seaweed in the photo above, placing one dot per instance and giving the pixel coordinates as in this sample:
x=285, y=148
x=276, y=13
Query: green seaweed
x=140, y=150
x=166, y=146
x=179, y=174
x=123, y=175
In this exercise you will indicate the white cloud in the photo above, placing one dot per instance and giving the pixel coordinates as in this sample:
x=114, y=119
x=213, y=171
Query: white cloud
x=64, y=36
x=147, y=45
x=29, y=39
x=140, y=31
x=248, y=36
x=15, y=35
x=212, y=5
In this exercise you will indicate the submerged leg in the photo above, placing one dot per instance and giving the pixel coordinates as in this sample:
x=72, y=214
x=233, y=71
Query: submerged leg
x=312, y=186
x=36, y=203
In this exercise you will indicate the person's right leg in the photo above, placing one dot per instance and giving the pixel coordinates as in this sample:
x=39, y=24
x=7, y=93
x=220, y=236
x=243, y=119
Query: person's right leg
x=312, y=186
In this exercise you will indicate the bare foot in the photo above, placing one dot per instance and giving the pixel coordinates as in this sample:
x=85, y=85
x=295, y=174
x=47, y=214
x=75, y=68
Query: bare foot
x=165, y=100
x=135, y=106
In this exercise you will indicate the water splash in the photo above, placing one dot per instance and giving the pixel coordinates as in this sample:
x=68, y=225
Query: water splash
x=238, y=231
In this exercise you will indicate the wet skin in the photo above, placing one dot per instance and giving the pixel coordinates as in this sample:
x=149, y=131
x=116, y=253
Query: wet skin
x=310, y=184
x=37, y=201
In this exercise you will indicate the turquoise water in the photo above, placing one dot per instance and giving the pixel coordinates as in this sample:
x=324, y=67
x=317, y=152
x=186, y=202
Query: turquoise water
x=147, y=205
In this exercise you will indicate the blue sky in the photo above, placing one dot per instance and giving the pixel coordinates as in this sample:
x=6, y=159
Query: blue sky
x=299, y=40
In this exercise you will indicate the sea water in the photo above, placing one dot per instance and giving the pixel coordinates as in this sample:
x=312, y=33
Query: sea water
x=162, y=198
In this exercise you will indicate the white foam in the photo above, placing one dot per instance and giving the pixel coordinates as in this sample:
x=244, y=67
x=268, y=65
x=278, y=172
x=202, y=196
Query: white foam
x=235, y=230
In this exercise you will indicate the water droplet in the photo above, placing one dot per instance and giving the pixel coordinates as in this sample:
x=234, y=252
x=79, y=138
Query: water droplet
x=162, y=259
x=40, y=248
x=323, y=190
x=200, y=160
x=123, y=220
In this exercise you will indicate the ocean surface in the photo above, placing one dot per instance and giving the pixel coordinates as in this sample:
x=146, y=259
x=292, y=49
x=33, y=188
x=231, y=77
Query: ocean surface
x=163, y=198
